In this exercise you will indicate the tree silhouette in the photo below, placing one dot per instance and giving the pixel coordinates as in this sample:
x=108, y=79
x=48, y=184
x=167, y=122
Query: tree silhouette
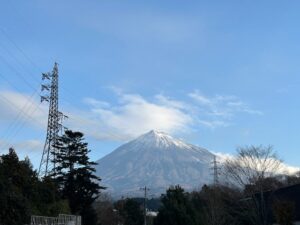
x=74, y=175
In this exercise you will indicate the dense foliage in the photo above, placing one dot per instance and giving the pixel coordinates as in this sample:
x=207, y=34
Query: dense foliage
x=176, y=208
x=74, y=175
x=71, y=189
x=130, y=211
x=125, y=211
x=23, y=194
x=244, y=196
x=219, y=205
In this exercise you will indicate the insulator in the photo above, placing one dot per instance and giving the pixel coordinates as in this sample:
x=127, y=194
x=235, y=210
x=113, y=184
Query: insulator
x=46, y=76
x=45, y=87
x=44, y=98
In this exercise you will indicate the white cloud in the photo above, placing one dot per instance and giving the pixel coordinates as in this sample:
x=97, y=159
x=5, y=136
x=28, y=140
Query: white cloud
x=214, y=123
x=96, y=103
x=131, y=115
x=163, y=100
x=31, y=145
x=201, y=98
x=25, y=146
x=223, y=157
x=283, y=168
x=22, y=108
x=221, y=107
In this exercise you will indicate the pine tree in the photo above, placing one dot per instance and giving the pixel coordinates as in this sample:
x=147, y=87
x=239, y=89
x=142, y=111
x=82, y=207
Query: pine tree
x=75, y=176
x=130, y=212
x=176, y=208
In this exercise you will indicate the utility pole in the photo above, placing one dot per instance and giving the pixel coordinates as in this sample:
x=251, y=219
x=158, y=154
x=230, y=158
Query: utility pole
x=55, y=119
x=145, y=189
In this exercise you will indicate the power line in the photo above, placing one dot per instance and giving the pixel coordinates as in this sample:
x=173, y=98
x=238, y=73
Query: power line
x=15, y=126
x=24, y=109
x=21, y=125
x=15, y=58
x=13, y=106
x=19, y=49
x=17, y=73
x=29, y=59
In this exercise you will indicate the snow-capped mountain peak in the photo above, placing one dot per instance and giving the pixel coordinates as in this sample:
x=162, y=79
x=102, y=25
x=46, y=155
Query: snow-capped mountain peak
x=157, y=160
x=160, y=139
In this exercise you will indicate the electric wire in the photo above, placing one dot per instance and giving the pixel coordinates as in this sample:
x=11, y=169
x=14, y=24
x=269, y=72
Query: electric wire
x=26, y=116
x=17, y=73
x=29, y=59
x=24, y=109
x=18, y=61
x=28, y=105
x=16, y=125
x=19, y=49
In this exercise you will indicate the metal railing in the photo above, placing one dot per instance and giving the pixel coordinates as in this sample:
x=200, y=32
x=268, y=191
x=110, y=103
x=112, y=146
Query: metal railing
x=62, y=219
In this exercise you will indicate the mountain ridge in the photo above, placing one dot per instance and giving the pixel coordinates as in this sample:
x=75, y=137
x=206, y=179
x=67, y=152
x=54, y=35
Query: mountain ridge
x=157, y=160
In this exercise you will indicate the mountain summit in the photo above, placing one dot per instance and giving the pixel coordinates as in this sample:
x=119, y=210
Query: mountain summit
x=156, y=160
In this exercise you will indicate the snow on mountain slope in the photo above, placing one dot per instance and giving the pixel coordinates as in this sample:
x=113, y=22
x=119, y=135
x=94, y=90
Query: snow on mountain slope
x=156, y=160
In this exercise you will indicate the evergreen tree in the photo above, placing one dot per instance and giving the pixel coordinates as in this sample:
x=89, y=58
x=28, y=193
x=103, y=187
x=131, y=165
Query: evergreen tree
x=13, y=179
x=22, y=194
x=130, y=212
x=75, y=176
x=176, y=208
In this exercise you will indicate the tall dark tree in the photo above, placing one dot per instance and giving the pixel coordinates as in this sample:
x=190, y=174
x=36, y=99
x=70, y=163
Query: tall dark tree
x=130, y=212
x=22, y=194
x=13, y=180
x=176, y=208
x=75, y=176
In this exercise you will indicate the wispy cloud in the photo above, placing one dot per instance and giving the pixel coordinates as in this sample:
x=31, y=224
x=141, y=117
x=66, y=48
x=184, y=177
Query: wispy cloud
x=22, y=107
x=29, y=145
x=23, y=146
x=220, y=110
x=131, y=114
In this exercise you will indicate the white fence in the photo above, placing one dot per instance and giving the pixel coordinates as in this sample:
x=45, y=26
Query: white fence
x=62, y=219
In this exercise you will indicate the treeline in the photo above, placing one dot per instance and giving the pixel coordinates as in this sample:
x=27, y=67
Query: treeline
x=212, y=205
x=241, y=197
x=71, y=188
x=245, y=194
x=23, y=194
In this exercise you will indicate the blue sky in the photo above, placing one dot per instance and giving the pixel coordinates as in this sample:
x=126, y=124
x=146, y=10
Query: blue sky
x=219, y=74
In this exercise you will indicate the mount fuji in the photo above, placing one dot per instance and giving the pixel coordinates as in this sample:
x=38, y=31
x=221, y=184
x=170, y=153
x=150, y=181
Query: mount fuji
x=155, y=160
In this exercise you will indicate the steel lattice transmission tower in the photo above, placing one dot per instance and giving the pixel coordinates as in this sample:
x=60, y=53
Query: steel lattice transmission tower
x=54, y=120
x=216, y=171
